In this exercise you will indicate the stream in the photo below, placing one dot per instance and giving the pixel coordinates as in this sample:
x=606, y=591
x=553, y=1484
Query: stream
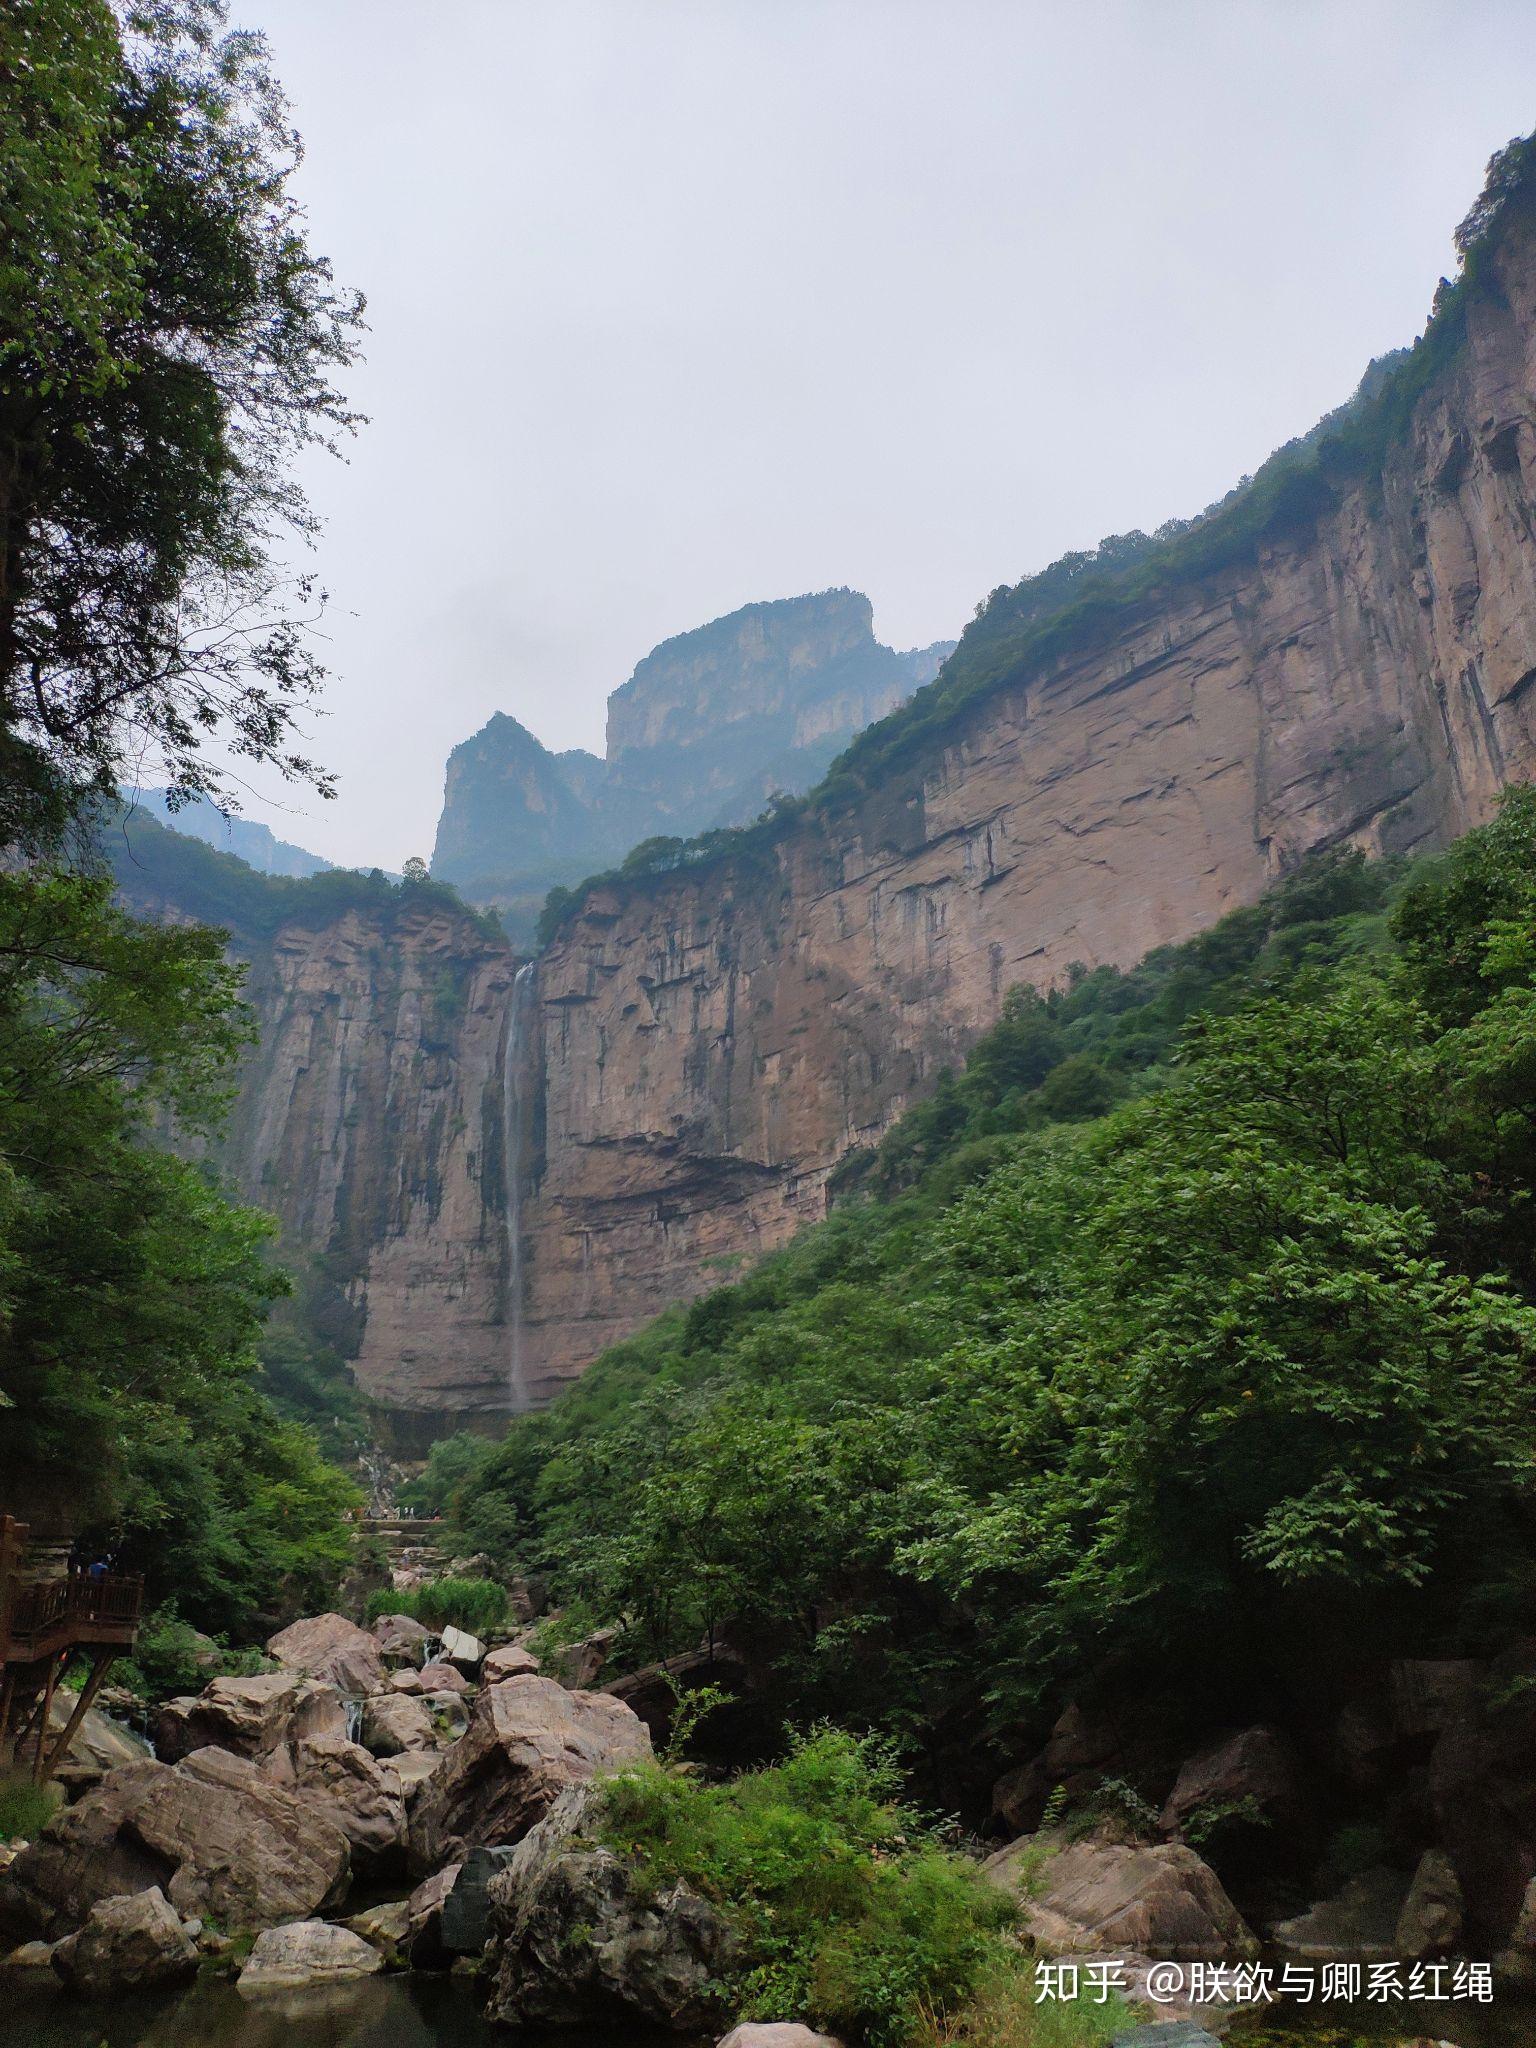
x=445, y=2012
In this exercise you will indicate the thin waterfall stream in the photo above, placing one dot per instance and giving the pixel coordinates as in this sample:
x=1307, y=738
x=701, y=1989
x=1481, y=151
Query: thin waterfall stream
x=512, y=1153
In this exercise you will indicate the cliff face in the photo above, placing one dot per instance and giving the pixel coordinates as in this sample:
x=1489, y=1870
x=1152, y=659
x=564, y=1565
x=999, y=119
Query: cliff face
x=710, y=724
x=714, y=1043
x=696, y=1051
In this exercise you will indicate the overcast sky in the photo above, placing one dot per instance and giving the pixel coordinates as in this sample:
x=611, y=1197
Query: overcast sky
x=678, y=304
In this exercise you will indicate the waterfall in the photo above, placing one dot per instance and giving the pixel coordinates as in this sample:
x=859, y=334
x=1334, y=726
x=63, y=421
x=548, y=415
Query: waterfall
x=512, y=1136
x=354, y=1712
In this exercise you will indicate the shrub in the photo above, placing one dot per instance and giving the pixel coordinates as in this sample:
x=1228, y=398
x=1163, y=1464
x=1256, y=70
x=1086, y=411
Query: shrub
x=852, y=1916
x=477, y=1605
x=24, y=1807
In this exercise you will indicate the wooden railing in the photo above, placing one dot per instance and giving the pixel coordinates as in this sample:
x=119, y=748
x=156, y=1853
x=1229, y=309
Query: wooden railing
x=41, y=1617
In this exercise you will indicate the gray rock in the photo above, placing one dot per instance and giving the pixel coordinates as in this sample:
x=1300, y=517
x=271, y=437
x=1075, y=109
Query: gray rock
x=572, y=1941
x=528, y=1741
x=1357, y=1925
x=129, y=1943
x=510, y=1661
x=402, y=1638
x=424, y=1910
x=392, y=1722
x=31, y=1955
x=213, y=1833
x=1160, y=1899
x=577, y=1664
x=1430, y=1923
x=776, y=2034
x=463, y=1649
x=365, y=1800
x=248, y=1716
x=1255, y=1769
x=329, y=1647
x=306, y=1952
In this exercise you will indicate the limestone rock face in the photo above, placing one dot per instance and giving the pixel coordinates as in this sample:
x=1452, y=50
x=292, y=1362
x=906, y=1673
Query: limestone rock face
x=508, y=1662
x=528, y=1741
x=212, y=1832
x=334, y=1650
x=130, y=1943
x=699, y=1050
x=402, y=1638
x=248, y=1716
x=306, y=1952
x=394, y=1723
x=1155, y=1899
x=366, y=1801
x=572, y=1942
x=1255, y=1768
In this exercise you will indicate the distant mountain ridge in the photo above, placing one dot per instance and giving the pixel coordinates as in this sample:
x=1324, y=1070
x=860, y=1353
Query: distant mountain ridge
x=711, y=724
x=257, y=845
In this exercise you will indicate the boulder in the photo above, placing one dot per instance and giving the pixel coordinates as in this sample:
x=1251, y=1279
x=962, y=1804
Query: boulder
x=410, y=1769
x=100, y=1744
x=577, y=1664
x=1081, y=1750
x=510, y=1661
x=329, y=1647
x=449, y=1712
x=392, y=1722
x=573, y=1940
x=443, y=1678
x=402, y=1638
x=248, y=1716
x=385, y=1928
x=31, y=1955
x=365, y=1800
x=129, y=1943
x=306, y=1952
x=213, y=1833
x=1431, y=1920
x=1357, y=1925
x=463, y=1649
x=528, y=1741
x=423, y=1942
x=1100, y=1894
x=776, y=2034
x=1255, y=1770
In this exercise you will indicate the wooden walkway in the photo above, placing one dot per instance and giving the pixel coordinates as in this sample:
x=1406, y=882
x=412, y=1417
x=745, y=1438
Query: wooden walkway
x=44, y=1624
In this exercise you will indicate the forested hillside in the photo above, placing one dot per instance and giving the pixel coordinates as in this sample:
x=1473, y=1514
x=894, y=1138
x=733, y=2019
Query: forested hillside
x=1179, y=1349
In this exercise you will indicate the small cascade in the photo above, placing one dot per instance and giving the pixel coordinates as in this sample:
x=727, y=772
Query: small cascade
x=512, y=1136
x=354, y=1712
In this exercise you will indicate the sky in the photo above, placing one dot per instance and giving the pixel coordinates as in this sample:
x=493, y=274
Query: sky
x=676, y=305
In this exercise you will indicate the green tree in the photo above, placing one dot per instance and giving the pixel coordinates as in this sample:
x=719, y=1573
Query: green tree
x=167, y=339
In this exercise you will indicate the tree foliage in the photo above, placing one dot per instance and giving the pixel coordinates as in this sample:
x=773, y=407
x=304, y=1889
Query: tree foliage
x=1189, y=1326
x=167, y=340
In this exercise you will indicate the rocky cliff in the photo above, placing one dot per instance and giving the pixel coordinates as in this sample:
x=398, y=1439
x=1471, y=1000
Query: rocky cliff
x=709, y=726
x=1344, y=653
x=1118, y=753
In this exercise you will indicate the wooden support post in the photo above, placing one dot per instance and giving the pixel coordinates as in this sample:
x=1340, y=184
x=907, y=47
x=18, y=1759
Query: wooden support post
x=55, y=1672
x=100, y=1666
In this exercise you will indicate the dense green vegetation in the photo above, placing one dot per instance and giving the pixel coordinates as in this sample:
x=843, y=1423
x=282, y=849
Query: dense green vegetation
x=132, y=1293
x=1183, y=1343
x=1068, y=607
x=476, y=1605
x=167, y=341
x=852, y=1915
